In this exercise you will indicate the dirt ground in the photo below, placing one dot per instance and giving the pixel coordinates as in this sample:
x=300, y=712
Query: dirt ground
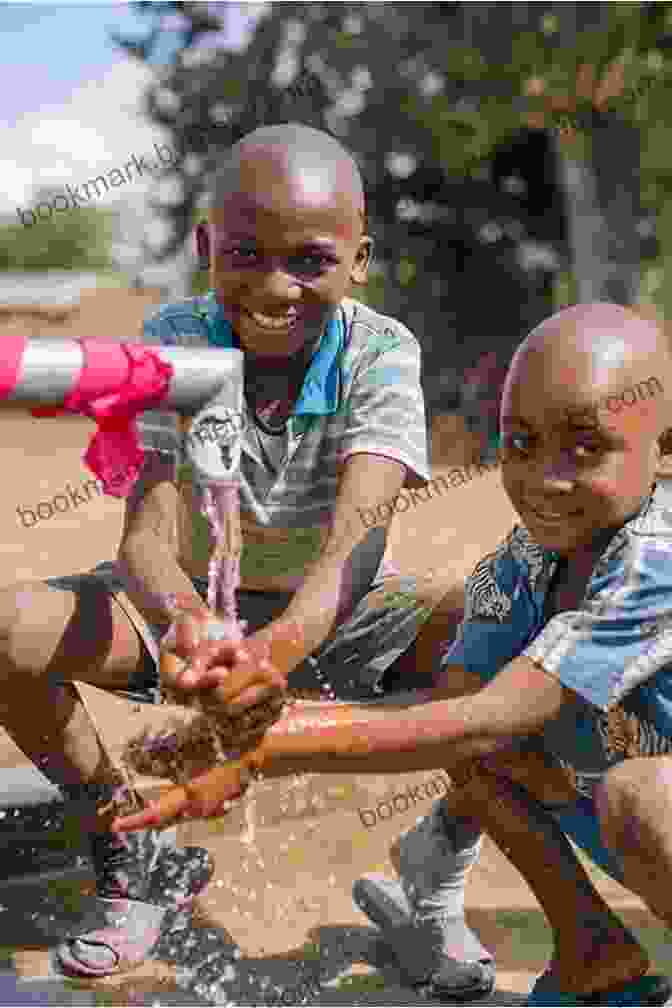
x=287, y=859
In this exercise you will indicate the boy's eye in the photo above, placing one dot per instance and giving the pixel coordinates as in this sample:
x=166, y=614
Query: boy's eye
x=241, y=253
x=298, y=264
x=587, y=447
x=518, y=443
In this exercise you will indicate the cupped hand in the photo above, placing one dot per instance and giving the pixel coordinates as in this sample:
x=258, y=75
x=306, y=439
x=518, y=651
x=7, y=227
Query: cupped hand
x=243, y=683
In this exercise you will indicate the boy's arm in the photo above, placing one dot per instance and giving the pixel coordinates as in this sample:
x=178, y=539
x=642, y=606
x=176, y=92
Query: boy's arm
x=383, y=444
x=149, y=546
x=348, y=738
x=441, y=733
x=352, y=553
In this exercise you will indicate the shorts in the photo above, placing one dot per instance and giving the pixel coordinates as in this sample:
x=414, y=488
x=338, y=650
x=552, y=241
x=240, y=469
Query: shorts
x=352, y=660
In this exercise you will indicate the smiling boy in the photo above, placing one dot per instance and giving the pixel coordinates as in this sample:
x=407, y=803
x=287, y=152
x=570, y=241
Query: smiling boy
x=334, y=422
x=335, y=419
x=564, y=655
x=334, y=409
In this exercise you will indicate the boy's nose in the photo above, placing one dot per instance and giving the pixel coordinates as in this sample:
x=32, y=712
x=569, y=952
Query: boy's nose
x=278, y=286
x=558, y=473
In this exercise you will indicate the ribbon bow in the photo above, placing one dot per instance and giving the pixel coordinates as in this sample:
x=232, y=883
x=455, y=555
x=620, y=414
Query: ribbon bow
x=117, y=381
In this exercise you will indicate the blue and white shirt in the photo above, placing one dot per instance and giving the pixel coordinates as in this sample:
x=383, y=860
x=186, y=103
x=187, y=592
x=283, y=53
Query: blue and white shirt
x=361, y=393
x=614, y=652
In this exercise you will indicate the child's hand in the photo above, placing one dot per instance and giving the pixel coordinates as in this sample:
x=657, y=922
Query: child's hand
x=232, y=679
x=240, y=687
x=185, y=632
x=204, y=797
x=181, y=642
x=243, y=684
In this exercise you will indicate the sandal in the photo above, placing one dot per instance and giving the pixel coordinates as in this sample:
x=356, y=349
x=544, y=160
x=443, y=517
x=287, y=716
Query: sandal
x=117, y=936
x=647, y=990
x=121, y=933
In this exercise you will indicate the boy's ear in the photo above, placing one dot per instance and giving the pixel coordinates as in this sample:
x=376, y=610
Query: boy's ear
x=202, y=237
x=664, y=467
x=359, y=273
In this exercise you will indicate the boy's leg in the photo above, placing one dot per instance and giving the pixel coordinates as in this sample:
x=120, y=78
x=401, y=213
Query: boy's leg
x=435, y=856
x=48, y=637
x=438, y=874
x=593, y=951
x=634, y=805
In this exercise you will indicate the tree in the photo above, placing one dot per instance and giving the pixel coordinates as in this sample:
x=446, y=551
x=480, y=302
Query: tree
x=77, y=239
x=435, y=100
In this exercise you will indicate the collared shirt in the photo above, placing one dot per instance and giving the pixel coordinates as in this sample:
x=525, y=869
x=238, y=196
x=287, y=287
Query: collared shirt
x=361, y=393
x=614, y=651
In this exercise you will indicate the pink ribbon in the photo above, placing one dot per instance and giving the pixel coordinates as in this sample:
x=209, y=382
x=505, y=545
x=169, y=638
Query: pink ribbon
x=117, y=381
x=13, y=346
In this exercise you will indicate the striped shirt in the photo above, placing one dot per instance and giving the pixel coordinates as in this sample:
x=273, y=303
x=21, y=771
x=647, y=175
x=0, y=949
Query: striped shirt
x=614, y=651
x=361, y=393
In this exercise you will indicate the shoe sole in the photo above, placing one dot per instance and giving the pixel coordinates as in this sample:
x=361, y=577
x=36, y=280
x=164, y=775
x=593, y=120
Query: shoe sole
x=381, y=910
x=451, y=995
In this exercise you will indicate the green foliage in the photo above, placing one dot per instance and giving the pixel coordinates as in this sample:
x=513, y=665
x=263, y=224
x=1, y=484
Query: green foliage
x=78, y=239
x=373, y=294
x=200, y=282
x=66, y=836
x=447, y=85
x=361, y=984
x=67, y=895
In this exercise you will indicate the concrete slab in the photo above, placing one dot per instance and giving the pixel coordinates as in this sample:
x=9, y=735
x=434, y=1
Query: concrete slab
x=15, y=991
x=25, y=785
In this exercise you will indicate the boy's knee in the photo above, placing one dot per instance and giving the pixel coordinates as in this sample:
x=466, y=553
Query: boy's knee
x=633, y=802
x=31, y=615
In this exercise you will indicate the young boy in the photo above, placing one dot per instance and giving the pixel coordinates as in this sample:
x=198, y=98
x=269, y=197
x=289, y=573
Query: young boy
x=335, y=428
x=568, y=624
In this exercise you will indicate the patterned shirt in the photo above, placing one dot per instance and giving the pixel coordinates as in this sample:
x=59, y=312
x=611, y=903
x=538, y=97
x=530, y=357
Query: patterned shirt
x=614, y=652
x=361, y=393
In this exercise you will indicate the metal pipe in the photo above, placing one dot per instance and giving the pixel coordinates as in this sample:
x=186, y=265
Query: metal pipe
x=50, y=368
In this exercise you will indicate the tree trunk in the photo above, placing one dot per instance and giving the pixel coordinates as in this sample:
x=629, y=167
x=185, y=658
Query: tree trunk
x=600, y=178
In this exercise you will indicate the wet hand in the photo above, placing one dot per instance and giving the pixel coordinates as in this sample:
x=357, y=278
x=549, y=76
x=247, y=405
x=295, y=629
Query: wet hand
x=241, y=685
x=207, y=796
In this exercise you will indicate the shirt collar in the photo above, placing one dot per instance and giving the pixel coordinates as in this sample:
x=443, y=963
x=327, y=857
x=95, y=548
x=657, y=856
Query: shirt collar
x=656, y=493
x=320, y=391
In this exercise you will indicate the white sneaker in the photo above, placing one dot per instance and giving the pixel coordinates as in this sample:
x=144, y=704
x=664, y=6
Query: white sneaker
x=432, y=942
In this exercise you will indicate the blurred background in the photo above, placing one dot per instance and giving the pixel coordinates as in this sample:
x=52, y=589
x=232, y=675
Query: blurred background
x=515, y=157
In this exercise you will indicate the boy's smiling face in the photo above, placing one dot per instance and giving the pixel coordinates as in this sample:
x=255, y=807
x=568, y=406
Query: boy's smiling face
x=284, y=244
x=576, y=460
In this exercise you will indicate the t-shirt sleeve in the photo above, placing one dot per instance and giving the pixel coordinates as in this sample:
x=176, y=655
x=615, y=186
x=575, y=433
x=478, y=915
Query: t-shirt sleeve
x=160, y=430
x=497, y=612
x=386, y=407
x=621, y=635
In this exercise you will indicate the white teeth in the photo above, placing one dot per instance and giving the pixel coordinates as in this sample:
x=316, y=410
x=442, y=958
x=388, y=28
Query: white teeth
x=273, y=321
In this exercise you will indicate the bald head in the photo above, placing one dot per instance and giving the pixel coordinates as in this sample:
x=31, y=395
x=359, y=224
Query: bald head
x=591, y=352
x=584, y=411
x=314, y=166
